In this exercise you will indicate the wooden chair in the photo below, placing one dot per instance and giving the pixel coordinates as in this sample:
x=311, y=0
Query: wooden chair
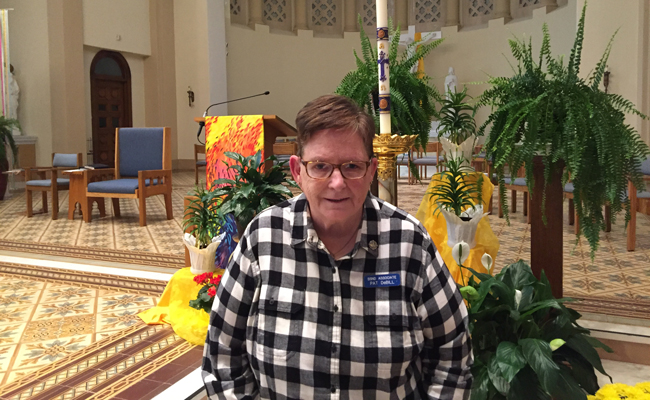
x=143, y=168
x=519, y=185
x=423, y=160
x=573, y=217
x=636, y=197
x=54, y=184
x=198, y=163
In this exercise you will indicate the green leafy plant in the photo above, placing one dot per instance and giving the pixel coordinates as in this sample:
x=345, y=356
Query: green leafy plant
x=251, y=190
x=456, y=189
x=7, y=141
x=202, y=215
x=413, y=98
x=456, y=117
x=547, y=108
x=527, y=345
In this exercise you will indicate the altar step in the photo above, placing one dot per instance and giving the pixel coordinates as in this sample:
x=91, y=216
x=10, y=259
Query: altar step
x=628, y=337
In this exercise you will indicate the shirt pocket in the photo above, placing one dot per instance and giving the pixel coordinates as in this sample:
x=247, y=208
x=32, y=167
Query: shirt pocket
x=280, y=324
x=393, y=336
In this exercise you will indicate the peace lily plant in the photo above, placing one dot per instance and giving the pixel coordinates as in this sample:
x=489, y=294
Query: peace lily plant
x=527, y=345
x=456, y=126
x=458, y=196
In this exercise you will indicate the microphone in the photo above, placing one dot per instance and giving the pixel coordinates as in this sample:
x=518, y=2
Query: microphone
x=205, y=114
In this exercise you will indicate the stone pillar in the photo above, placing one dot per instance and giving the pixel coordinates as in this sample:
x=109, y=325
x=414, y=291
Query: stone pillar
x=502, y=9
x=301, y=14
x=67, y=88
x=351, y=16
x=453, y=8
x=255, y=12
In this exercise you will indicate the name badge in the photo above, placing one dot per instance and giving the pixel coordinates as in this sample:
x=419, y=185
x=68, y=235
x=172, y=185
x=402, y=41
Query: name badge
x=371, y=281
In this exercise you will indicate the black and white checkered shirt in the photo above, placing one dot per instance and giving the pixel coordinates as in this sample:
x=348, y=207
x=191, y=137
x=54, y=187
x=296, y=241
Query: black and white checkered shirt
x=384, y=322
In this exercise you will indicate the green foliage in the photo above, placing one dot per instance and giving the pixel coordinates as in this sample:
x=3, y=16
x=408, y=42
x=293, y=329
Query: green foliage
x=454, y=192
x=456, y=117
x=6, y=138
x=547, y=108
x=203, y=216
x=203, y=300
x=413, y=99
x=512, y=319
x=251, y=191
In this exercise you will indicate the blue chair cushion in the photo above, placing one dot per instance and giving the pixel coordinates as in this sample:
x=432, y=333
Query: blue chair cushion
x=125, y=186
x=643, y=195
x=48, y=182
x=140, y=149
x=568, y=188
x=64, y=160
x=645, y=166
x=518, y=181
x=201, y=163
x=403, y=159
x=426, y=160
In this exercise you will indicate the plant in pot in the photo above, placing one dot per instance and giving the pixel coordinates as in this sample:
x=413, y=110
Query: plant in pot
x=251, y=190
x=457, y=127
x=204, y=222
x=413, y=98
x=457, y=193
x=527, y=345
x=546, y=109
x=6, y=143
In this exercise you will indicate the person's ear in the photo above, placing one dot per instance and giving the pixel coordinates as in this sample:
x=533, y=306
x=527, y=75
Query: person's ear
x=295, y=166
x=373, y=166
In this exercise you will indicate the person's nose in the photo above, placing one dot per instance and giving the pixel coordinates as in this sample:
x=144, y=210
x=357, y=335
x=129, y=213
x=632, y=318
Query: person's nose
x=336, y=180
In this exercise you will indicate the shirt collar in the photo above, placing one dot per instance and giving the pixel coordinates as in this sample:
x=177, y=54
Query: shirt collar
x=302, y=229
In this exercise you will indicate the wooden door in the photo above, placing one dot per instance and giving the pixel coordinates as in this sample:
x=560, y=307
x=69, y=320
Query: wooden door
x=110, y=79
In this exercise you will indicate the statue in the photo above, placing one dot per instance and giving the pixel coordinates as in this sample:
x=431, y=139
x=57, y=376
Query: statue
x=14, y=94
x=450, y=82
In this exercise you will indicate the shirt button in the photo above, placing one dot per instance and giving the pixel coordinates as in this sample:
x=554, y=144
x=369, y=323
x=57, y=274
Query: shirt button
x=272, y=301
x=333, y=349
x=333, y=270
x=333, y=389
x=336, y=308
x=393, y=317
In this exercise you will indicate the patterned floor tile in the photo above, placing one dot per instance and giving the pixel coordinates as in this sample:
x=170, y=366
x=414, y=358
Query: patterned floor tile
x=66, y=308
x=11, y=333
x=48, y=351
x=118, y=319
x=123, y=301
x=66, y=292
x=59, y=328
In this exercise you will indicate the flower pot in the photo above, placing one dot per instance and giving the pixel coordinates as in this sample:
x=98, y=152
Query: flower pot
x=463, y=150
x=201, y=260
x=460, y=230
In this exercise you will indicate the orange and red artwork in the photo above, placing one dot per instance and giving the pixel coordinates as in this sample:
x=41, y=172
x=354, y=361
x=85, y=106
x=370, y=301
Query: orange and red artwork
x=243, y=134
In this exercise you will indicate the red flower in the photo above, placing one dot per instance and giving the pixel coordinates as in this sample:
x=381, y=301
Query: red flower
x=212, y=291
x=216, y=280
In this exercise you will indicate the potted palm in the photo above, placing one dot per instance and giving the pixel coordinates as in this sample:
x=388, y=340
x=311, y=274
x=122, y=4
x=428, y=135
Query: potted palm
x=457, y=126
x=251, y=190
x=6, y=142
x=527, y=344
x=204, y=223
x=546, y=110
x=458, y=196
x=413, y=98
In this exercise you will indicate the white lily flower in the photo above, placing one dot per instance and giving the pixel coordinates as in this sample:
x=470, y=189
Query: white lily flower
x=517, y=298
x=460, y=252
x=486, y=260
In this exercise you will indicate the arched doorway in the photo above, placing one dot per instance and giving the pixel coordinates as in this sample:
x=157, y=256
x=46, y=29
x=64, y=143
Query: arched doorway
x=110, y=98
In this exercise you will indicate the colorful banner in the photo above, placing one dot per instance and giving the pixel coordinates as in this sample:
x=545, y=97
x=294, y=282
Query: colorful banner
x=243, y=134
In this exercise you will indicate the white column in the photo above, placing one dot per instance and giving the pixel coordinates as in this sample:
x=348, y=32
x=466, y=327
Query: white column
x=384, y=77
x=217, y=54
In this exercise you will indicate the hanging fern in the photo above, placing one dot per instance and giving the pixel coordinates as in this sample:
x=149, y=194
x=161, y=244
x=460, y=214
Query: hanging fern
x=546, y=108
x=413, y=100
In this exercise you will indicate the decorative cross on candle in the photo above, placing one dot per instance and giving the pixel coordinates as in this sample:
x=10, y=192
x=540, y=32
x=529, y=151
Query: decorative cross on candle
x=383, y=64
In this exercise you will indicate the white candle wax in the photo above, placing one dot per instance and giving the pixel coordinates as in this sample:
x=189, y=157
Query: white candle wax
x=382, y=13
x=384, y=123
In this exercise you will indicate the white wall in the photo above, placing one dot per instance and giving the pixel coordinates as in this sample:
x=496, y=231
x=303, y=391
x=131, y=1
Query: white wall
x=104, y=20
x=29, y=53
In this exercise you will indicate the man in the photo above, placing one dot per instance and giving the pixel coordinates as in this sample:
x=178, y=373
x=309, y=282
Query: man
x=336, y=294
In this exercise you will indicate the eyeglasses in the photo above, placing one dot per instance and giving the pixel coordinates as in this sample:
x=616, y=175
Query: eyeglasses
x=323, y=170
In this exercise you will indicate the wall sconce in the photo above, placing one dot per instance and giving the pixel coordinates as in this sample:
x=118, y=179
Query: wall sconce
x=190, y=95
x=606, y=78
